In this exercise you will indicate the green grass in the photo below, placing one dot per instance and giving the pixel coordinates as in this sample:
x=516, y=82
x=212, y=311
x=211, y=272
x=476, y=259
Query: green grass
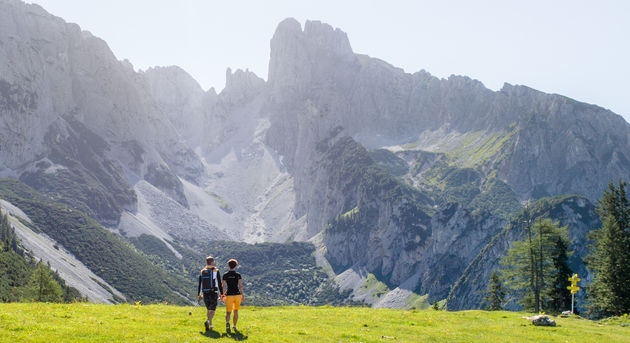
x=377, y=288
x=418, y=302
x=35, y=322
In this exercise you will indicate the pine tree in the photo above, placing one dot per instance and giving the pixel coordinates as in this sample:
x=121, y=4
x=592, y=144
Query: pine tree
x=4, y=228
x=560, y=297
x=609, y=258
x=495, y=294
x=42, y=286
x=7, y=235
x=528, y=268
x=436, y=305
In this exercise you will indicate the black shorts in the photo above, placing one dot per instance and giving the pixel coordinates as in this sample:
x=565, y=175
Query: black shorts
x=210, y=299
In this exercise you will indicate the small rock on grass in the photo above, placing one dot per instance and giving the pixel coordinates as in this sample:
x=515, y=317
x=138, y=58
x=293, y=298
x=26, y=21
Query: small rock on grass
x=542, y=320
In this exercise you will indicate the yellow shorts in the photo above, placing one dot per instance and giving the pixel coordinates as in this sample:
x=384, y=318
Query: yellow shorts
x=232, y=302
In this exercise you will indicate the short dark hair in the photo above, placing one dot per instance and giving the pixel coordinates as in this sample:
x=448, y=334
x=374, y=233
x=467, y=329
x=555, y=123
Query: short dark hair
x=232, y=263
x=209, y=260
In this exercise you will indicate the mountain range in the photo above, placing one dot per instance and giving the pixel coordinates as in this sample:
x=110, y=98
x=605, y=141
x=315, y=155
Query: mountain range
x=409, y=187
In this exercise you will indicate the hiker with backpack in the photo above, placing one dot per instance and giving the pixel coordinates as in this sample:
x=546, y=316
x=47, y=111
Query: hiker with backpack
x=209, y=280
x=234, y=295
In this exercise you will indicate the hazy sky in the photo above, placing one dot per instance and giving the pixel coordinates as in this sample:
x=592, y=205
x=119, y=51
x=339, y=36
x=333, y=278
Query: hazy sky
x=576, y=48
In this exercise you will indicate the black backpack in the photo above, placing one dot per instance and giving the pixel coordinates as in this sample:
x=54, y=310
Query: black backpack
x=207, y=281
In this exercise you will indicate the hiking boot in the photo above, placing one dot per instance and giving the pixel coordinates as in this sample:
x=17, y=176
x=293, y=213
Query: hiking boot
x=234, y=328
x=227, y=327
x=207, y=325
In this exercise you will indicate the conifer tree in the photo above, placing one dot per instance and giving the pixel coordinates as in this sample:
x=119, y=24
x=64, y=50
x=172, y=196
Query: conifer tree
x=609, y=258
x=560, y=297
x=4, y=228
x=42, y=287
x=495, y=294
x=528, y=268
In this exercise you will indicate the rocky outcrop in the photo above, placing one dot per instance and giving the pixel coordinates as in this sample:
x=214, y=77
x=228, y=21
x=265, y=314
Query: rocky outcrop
x=76, y=169
x=182, y=101
x=389, y=228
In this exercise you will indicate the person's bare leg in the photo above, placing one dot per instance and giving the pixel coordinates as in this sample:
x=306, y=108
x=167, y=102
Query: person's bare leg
x=227, y=317
x=235, y=317
x=210, y=315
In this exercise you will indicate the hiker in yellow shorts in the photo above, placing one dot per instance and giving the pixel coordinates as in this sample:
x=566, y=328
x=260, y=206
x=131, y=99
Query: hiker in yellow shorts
x=234, y=294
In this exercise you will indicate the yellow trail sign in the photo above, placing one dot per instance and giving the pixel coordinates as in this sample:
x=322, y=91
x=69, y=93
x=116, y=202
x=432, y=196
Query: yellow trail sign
x=573, y=288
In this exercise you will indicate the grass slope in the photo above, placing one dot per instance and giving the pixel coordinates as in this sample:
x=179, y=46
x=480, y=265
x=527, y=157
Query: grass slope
x=80, y=322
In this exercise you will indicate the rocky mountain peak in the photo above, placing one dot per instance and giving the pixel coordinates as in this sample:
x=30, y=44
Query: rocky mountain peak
x=324, y=36
x=301, y=56
x=177, y=79
x=241, y=85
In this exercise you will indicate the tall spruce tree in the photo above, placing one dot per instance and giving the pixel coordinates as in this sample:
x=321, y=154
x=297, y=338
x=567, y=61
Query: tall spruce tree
x=494, y=296
x=609, y=258
x=560, y=297
x=529, y=268
x=42, y=287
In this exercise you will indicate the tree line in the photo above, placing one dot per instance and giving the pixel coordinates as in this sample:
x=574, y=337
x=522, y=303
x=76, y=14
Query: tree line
x=536, y=273
x=25, y=279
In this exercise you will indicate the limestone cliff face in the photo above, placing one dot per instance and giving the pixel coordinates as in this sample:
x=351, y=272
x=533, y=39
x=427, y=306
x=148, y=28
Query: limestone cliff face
x=55, y=78
x=181, y=99
x=563, y=146
x=318, y=85
x=391, y=229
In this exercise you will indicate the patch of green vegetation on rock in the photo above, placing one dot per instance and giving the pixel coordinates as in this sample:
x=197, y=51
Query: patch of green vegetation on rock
x=417, y=302
x=448, y=183
x=223, y=205
x=376, y=287
x=498, y=198
x=350, y=213
x=477, y=149
x=388, y=160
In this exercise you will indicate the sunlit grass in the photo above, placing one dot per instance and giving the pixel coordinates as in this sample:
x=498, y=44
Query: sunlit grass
x=164, y=323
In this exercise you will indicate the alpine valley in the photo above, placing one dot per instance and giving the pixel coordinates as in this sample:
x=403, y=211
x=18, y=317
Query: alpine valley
x=357, y=181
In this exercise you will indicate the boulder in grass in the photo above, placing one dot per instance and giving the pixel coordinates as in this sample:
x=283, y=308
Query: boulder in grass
x=543, y=320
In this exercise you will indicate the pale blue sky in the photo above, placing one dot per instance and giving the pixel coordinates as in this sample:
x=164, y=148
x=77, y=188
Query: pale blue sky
x=577, y=48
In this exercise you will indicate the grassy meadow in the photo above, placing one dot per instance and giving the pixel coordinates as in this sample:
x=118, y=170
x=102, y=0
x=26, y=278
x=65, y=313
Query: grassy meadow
x=83, y=322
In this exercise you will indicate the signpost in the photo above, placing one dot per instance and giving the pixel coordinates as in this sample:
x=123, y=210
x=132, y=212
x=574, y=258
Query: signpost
x=573, y=288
